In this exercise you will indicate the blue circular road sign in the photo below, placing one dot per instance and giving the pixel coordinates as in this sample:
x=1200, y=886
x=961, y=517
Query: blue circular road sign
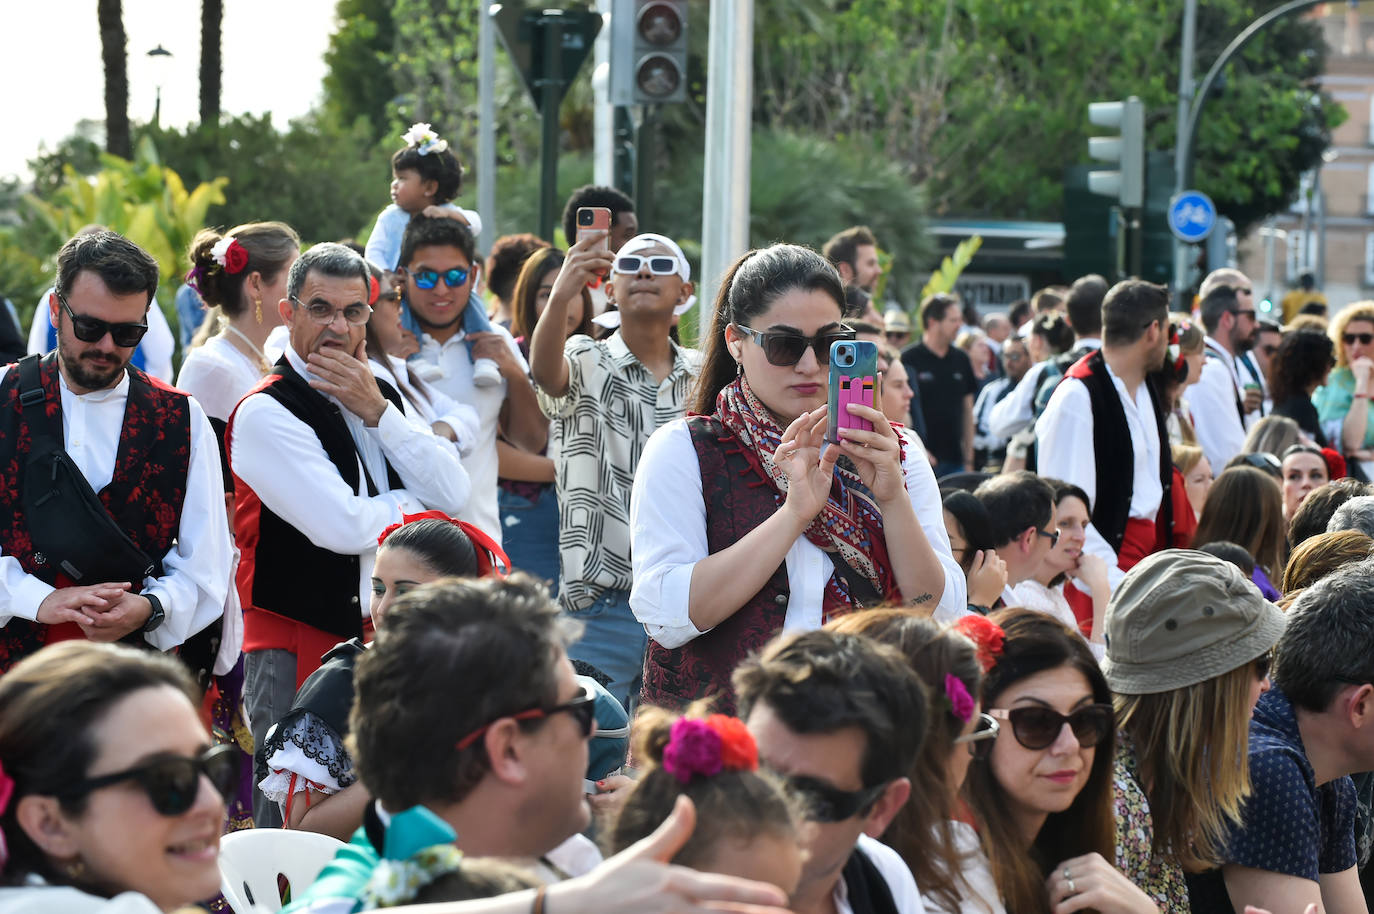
x=1192, y=216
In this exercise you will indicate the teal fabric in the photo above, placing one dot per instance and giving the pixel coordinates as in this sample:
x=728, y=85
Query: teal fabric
x=1334, y=398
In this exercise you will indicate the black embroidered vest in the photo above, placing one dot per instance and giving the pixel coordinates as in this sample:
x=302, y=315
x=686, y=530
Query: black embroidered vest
x=281, y=570
x=144, y=496
x=1114, y=455
x=738, y=499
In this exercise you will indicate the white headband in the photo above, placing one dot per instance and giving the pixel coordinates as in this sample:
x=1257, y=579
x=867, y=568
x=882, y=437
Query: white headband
x=611, y=319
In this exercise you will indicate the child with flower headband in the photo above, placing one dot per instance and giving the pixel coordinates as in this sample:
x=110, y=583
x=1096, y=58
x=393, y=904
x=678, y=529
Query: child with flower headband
x=747, y=825
x=426, y=176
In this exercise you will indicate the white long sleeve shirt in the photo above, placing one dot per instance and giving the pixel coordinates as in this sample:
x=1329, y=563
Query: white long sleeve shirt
x=1016, y=410
x=1064, y=449
x=431, y=405
x=1216, y=418
x=283, y=462
x=668, y=535
x=196, y=571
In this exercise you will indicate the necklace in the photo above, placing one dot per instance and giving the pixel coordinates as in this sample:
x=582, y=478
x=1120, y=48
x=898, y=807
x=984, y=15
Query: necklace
x=265, y=365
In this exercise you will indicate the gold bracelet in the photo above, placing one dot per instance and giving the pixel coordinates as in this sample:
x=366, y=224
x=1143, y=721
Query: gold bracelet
x=538, y=907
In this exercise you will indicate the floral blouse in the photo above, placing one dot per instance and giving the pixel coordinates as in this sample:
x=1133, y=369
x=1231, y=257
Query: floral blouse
x=1159, y=877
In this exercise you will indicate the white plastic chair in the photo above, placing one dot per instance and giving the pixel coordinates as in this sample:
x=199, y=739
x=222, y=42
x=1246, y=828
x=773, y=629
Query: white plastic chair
x=251, y=860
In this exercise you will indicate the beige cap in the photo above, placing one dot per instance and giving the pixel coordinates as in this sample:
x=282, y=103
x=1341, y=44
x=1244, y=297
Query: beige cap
x=896, y=321
x=1181, y=617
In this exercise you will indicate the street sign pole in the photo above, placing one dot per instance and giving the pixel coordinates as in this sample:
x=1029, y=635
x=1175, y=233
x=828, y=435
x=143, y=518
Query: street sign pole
x=551, y=93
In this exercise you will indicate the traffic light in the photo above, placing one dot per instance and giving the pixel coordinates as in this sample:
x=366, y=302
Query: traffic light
x=648, y=52
x=1126, y=151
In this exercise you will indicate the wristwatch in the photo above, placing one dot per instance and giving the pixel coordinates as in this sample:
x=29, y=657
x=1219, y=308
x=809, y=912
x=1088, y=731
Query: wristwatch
x=156, y=616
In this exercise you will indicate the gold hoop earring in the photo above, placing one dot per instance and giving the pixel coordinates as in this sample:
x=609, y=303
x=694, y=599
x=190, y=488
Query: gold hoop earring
x=258, y=311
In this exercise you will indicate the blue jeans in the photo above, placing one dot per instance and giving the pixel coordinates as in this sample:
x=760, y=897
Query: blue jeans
x=614, y=642
x=529, y=533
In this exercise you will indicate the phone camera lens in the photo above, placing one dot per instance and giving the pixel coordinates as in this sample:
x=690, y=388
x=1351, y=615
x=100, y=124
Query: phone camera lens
x=584, y=218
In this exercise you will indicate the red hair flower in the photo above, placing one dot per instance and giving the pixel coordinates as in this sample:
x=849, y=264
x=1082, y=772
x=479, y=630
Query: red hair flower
x=708, y=747
x=738, y=751
x=986, y=635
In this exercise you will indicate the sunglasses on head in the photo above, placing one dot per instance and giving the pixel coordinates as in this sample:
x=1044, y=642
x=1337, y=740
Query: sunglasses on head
x=93, y=330
x=824, y=802
x=785, y=348
x=582, y=708
x=172, y=782
x=1038, y=728
x=659, y=264
x=981, y=739
x=428, y=279
x=1350, y=338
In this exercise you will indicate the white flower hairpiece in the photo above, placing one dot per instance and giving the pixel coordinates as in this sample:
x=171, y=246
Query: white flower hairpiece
x=424, y=139
x=220, y=250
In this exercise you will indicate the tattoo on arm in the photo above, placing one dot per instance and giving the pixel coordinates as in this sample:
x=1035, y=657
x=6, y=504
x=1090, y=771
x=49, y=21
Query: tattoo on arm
x=923, y=598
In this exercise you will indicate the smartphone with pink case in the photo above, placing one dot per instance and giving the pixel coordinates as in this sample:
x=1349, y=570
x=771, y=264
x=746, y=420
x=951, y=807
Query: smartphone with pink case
x=853, y=379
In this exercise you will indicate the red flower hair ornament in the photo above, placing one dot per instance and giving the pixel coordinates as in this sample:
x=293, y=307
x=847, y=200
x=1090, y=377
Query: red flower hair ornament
x=986, y=635
x=492, y=560
x=708, y=747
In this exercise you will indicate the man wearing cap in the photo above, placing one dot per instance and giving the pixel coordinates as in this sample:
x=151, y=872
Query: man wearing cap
x=897, y=327
x=1104, y=431
x=1297, y=842
x=1188, y=639
x=606, y=398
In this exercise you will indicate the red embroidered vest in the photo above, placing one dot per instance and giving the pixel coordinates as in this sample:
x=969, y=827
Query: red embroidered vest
x=738, y=499
x=144, y=495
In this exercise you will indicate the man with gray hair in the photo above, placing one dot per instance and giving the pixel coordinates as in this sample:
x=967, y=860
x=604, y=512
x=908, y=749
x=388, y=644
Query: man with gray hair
x=1355, y=514
x=1297, y=841
x=325, y=459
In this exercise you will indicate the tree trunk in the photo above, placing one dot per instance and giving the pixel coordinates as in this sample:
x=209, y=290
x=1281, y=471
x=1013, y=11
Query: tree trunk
x=211, y=17
x=113, y=53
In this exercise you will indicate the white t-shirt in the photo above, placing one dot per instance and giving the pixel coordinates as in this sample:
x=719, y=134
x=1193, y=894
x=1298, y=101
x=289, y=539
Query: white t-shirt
x=980, y=896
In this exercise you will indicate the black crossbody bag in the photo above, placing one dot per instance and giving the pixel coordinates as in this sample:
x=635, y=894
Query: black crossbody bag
x=71, y=530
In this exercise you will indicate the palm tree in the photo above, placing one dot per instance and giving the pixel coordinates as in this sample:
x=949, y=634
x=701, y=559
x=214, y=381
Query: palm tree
x=211, y=16
x=113, y=53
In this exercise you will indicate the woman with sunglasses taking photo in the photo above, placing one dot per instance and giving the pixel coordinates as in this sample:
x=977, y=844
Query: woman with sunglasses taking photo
x=1187, y=658
x=1043, y=796
x=1344, y=400
x=109, y=787
x=745, y=521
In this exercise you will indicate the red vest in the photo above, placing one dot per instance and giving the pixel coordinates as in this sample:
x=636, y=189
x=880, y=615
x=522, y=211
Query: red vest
x=144, y=495
x=738, y=498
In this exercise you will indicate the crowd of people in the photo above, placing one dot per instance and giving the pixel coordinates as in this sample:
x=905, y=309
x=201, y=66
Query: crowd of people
x=473, y=565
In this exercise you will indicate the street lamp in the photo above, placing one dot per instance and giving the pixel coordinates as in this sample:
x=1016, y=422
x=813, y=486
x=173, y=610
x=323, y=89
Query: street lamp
x=161, y=57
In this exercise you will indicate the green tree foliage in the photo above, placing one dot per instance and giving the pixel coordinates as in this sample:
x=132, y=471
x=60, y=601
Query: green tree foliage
x=358, y=84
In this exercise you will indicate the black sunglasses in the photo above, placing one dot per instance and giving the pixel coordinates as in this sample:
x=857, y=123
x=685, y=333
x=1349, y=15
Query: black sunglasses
x=980, y=741
x=1038, y=728
x=172, y=782
x=1364, y=338
x=582, y=708
x=824, y=802
x=1051, y=535
x=785, y=349
x=93, y=329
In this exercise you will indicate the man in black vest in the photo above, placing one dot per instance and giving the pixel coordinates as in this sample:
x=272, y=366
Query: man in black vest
x=324, y=459
x=842, y=719
x=1103, y=429
x=112, y=522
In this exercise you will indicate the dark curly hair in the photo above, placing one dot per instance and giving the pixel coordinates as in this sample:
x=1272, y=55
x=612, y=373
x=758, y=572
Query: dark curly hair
x=443, y=168
x=1302, y=360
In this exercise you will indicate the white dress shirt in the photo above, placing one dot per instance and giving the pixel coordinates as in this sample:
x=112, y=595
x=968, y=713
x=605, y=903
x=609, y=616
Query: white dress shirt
x=668, y=535
x=1016, y=410
x=196, y=572
x=1216, y=419
x=1064, y=449
x=451, y=369
x=285, y=465
x=424, y=401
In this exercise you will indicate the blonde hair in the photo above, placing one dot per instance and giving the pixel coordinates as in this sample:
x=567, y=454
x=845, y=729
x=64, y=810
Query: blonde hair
x=1272, y=435
x=1186, y=456
x=1318, y=556
x=1195, y=783
x=1358, y=311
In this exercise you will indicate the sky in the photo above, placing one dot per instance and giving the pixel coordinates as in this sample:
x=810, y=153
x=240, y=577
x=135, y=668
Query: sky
x=272, y=60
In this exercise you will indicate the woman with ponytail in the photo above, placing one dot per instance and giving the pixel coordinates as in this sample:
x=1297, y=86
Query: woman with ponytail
x=745, y=522
x=304, y=765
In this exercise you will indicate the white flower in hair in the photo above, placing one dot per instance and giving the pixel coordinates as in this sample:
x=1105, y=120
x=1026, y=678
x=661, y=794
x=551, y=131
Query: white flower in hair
x=220, y=250
x=424, y=139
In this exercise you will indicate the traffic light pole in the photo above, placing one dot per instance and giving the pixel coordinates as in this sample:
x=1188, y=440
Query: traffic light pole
x=1188, y=129
x=646, y=157
x=551, y=91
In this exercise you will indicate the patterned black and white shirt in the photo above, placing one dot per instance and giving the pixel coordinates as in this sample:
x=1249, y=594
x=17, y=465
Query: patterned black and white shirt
x=612, y=406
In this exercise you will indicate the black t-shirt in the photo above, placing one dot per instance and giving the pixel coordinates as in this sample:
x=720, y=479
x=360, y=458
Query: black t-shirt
x=1300, y=410
x=943, y=382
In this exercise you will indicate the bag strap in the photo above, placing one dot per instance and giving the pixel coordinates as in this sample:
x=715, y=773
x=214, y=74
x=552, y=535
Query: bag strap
x=32, y=399
x=861, y=589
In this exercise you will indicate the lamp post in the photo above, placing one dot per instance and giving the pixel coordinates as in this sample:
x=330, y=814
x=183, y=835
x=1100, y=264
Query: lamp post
x=161, y=57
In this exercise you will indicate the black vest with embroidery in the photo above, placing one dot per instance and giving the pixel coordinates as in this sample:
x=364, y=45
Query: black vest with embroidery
x=144, y=496
x=290, y=575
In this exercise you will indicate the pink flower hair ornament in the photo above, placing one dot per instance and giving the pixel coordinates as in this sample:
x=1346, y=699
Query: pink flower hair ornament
x=707, y=747
x=961, y=703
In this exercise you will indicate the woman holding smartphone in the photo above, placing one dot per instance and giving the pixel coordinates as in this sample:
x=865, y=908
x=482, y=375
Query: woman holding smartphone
x=744, y=522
